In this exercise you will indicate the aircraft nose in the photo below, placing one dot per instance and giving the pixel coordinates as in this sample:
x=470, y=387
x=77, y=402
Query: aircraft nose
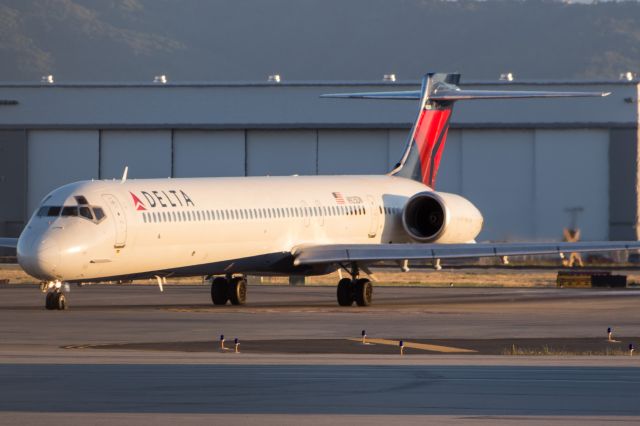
x=41, y=260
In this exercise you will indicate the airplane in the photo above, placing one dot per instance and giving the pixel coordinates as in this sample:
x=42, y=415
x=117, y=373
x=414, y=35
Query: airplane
x=226, y=228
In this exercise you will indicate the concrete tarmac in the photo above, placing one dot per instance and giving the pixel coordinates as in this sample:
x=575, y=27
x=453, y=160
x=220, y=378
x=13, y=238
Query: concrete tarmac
x=41, y=381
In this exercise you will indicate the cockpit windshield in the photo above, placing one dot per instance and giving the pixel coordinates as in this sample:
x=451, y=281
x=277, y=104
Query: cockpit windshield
x=83, y=209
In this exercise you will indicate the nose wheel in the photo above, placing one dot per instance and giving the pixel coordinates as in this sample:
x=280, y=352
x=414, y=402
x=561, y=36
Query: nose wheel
x=55, y=300
x=229, y=289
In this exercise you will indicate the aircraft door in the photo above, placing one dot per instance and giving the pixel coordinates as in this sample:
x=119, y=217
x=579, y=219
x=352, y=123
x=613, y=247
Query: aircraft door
x=118, y=218
x=375, y=217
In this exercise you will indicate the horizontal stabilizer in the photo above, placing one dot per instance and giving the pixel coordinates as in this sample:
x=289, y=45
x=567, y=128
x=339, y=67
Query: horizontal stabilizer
x=400, y=95
x=445, y=94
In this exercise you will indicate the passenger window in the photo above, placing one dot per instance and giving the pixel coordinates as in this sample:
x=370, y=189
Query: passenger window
x=86, y=212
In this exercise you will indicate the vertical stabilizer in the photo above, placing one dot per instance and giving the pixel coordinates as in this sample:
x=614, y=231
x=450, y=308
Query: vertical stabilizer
x=421, y=158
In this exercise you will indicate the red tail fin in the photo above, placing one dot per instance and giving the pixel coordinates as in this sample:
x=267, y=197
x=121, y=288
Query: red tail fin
x=421, y=158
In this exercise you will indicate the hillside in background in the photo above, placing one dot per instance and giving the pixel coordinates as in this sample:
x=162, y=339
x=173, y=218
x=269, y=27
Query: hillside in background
x=132, y=40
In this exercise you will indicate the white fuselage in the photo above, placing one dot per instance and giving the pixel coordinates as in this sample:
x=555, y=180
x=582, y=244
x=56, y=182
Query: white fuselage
x=209, y=225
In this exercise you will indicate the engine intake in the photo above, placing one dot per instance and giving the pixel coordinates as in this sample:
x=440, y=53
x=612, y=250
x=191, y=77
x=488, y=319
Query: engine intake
x=430, y=217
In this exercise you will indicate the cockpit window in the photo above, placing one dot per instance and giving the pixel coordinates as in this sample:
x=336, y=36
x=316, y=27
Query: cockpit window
x=99, y=213
x=81, y=199
x=85, y=212
x=94, y=214
x=69, y=211
x=49, y=211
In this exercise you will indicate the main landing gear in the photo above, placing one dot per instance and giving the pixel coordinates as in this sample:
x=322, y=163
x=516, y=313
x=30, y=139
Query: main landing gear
x=55, y=299
x=354, y=289
x=232, y=289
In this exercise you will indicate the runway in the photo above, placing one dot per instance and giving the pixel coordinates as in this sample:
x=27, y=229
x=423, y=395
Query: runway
x=90, y=364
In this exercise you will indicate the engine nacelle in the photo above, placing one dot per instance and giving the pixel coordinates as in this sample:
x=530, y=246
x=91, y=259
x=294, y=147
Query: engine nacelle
x=430, y=217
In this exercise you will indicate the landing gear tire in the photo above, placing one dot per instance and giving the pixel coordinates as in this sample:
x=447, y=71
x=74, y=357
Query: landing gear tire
x=345, y=292
x=49, y=301
x=55, y=301
x=363, y=292
x=219, y=291
x=238, y=291
x=60, y=302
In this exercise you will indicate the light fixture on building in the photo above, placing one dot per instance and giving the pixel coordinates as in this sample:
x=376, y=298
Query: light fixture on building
x=627, y=76
x=47, y=79
x=506, y=76
x=160, y=79
x=389, y=77
x=274, y=78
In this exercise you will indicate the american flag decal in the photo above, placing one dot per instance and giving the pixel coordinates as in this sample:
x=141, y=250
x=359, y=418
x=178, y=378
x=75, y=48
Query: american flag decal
x=338, y=197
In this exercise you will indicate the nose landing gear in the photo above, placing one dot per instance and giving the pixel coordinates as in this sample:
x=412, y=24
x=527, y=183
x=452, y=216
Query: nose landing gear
x=55, y=299
x=354, y=289
x=232, y=289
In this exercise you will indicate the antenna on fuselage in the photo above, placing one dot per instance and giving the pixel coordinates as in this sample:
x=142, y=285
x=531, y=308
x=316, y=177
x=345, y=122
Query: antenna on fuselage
x=124, y=174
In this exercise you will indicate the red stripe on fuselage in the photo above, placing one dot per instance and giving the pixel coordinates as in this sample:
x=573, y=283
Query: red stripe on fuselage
x=431, y=127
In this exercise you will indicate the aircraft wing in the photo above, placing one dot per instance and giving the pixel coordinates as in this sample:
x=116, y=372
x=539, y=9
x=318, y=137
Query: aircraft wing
x=337, y=253
x=9, y=242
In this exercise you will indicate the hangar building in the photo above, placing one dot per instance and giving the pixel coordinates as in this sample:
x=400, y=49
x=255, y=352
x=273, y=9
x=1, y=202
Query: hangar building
x=525, y=163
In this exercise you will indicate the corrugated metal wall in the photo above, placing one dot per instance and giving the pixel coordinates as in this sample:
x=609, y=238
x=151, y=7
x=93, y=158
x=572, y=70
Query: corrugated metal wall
x=522, y=180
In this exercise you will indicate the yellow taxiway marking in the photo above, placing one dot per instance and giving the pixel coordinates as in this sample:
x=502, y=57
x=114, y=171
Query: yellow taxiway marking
x=422, y=346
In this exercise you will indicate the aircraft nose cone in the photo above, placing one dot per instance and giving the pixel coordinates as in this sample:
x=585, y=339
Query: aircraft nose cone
x=41, y=260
